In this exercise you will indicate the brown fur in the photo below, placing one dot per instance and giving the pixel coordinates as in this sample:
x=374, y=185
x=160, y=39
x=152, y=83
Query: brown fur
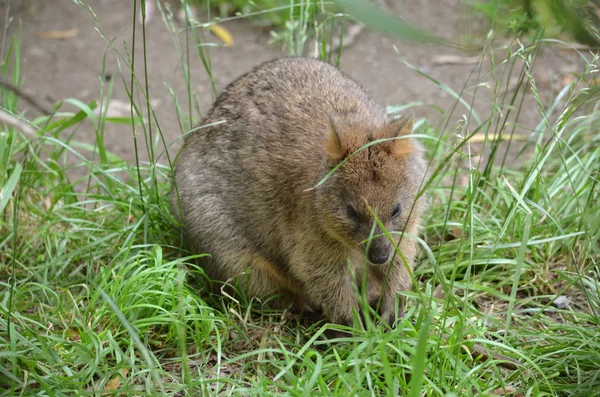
x=247, y=188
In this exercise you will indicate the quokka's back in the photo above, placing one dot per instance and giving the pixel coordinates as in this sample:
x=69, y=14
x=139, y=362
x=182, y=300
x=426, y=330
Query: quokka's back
x=247, y=189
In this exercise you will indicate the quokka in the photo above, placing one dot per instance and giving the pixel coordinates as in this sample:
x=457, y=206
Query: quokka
x=248, y=196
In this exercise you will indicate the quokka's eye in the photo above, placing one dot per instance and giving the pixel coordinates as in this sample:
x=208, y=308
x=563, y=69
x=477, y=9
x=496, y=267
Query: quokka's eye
x=351, y=213
x=396, y=211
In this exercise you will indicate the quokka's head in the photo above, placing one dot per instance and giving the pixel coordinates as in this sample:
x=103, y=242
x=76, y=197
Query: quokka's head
x=383, y=179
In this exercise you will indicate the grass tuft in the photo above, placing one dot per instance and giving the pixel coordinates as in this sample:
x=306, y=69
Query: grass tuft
x=98, y=295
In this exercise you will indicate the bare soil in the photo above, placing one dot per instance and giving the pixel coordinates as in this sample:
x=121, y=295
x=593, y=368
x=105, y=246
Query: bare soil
x=55, y=69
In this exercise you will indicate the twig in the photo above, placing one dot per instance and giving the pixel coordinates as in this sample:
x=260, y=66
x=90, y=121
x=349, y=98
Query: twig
x=503, y=361
x=9, y=119
x=449, y=59
x=350, y=37
x=7, y=84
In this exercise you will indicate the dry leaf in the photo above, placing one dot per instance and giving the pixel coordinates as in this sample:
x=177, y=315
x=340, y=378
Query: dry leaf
x=504, y=391
x=112, y=384
x=59, y=34
x=447, y=59
x=223, y=34
x=456, y=231
x=439, y=292
x=480, y=137
x=115, y=382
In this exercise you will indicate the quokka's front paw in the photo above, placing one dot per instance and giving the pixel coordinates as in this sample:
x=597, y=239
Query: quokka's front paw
x=343, y=315
x=387, y=310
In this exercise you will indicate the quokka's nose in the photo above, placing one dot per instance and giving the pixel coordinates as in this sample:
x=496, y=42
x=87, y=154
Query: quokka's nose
x=378, y=255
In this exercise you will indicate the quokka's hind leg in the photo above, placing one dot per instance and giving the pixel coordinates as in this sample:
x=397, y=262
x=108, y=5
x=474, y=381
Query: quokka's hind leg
x=257, y=277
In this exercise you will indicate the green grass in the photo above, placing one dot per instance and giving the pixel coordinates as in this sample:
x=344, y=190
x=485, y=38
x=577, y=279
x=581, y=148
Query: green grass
x=577, y=20
x=98, y=296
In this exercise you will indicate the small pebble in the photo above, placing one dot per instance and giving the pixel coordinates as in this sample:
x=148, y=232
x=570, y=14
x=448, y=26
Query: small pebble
x=561, y=302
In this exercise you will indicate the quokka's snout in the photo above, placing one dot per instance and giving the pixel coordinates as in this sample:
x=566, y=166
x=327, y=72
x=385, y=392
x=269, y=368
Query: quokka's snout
x=379, y=250
x=246, y=188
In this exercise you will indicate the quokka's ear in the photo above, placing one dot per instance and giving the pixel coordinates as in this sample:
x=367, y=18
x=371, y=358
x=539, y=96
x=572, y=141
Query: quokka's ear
x=400, y=127
x=333, y=144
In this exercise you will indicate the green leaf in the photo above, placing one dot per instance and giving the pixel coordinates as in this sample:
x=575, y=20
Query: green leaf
x=419, y=359
x=63, y=124
x=9, y=186
x=573, y=20
x=371, y=15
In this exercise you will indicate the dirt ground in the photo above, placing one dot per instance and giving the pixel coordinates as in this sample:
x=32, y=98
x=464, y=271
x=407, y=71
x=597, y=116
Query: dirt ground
x=55, y=69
